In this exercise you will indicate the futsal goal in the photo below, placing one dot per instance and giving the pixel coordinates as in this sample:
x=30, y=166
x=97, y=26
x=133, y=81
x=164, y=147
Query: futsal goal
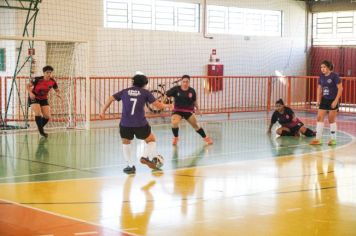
x=23, y=60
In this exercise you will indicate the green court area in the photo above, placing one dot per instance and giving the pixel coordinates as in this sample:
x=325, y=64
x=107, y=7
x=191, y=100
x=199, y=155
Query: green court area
x=92, y=153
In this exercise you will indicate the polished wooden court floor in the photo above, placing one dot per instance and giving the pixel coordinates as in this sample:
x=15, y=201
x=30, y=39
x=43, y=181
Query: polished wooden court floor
x=246, y=183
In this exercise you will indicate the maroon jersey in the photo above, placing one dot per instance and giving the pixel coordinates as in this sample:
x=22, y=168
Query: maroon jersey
x=41, y=87
x=183, y=100
x=285, y=119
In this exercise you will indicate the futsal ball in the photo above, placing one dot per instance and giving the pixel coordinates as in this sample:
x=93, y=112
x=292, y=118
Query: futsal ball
x=159, y=161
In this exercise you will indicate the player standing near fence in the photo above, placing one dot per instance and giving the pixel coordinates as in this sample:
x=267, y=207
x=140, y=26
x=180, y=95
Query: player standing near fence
x=38, y=90
x=328, y=94
x=133, y=121
x=184, y=106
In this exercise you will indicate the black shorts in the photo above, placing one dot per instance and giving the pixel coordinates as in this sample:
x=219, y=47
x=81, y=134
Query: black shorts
x=185, y=115
x=294, y=130
x=42, y=102
x=325, y=104
x=140, y=132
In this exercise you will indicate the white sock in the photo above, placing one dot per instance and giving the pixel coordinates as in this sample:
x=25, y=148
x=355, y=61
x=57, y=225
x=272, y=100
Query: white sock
x=151, y=150
x=333, y=129
x=319, y=130
x=127, y=149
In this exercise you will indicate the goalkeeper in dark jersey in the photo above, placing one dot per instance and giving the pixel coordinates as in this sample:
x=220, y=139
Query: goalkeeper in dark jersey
x=184, y=107
x=290, y=124
x=38, y=90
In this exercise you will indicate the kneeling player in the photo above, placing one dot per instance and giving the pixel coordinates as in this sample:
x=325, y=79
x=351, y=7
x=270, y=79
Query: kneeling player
x=291, y=125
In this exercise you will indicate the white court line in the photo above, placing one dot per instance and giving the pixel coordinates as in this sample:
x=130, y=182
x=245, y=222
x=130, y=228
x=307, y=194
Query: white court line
x=353, y=139
x=66, y=217
x=86, y=233
x=293, y=209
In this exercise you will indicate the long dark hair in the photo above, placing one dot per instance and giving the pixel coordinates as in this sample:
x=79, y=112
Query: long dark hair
x=328, y=64
x=280, y=101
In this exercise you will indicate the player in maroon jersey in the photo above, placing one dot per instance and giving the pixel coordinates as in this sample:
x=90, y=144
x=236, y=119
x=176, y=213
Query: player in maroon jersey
x=290, y=124
x=184, y=107
x=38, y=90
x=133, y=121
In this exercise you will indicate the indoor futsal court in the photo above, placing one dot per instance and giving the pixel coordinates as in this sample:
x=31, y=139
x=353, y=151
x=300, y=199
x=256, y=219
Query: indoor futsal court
x=212, y=78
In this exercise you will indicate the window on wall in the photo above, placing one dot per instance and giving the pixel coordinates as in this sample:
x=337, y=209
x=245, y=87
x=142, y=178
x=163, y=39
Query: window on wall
x=152, y=15
x=242, y=21
x=2, y=59
x=334, y=28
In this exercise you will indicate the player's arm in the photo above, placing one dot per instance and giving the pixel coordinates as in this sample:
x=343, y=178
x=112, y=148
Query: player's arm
x=161, y=105
x=273, y=121
x=339, y=93
x=56, y=89
x=58, y=93
x=318, y=95
x=197, y=108
x=106, y=106
x=29, y=88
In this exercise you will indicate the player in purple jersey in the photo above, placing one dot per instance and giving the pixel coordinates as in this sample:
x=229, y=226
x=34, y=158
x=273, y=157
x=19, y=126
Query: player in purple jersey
x=184, y=106
x=328, y=94
x=290, y=124
x=133, y=121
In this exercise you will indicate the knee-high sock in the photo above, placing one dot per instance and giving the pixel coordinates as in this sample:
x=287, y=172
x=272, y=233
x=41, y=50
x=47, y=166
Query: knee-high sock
x=44, y=121
x=175, y=132
x=38, y=120
x=127, y=150
x=150, y=150
x=319, y=130
x=333, y=129
x=201, y=132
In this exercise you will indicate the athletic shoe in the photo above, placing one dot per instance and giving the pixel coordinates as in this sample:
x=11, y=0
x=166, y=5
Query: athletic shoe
x=208, y=140
x=43, y=134
x=316, y=142
x=130, y=170
x=332, y=142
x=146, y=161
x=175, y=140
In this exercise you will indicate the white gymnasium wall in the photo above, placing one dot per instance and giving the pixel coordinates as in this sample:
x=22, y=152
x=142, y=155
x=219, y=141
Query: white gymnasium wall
x=121, y=51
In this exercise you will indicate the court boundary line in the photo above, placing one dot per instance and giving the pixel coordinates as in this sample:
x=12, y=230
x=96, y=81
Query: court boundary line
x=65, y=217
x=353, y=139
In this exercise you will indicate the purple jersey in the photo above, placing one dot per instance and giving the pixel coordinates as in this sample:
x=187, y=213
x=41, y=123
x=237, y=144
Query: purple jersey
x=133, y=103
x=329, y=85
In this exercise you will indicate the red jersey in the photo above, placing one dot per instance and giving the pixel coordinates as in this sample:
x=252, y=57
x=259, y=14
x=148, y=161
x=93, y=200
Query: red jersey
x=41, y=87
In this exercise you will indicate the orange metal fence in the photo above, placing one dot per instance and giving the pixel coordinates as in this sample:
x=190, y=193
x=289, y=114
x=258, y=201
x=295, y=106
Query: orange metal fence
x=226, y=94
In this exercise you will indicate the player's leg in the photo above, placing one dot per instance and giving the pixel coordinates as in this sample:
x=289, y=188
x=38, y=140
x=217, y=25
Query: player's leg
x=46, y=112
x=175, y=120
x=36, y=108
x=127, y=135
x=319, y=127
x=192, y=120
x=333, y=127
x=150, y=150
x=283, y=131
x=306, y=131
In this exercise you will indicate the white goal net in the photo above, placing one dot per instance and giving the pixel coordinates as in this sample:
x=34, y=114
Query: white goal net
x=25, y=59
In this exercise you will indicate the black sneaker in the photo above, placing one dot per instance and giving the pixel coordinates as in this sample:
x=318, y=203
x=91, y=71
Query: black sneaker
x=146, y=161
x=130, y=170
x=43, y=134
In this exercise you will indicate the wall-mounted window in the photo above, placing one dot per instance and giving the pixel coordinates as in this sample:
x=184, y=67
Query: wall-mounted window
x=334, y=28
x=152, y=15
x=2, y=59
x=243, y=21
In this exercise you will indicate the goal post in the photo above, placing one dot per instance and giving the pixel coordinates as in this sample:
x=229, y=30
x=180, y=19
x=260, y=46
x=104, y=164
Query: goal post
x=24, y=58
